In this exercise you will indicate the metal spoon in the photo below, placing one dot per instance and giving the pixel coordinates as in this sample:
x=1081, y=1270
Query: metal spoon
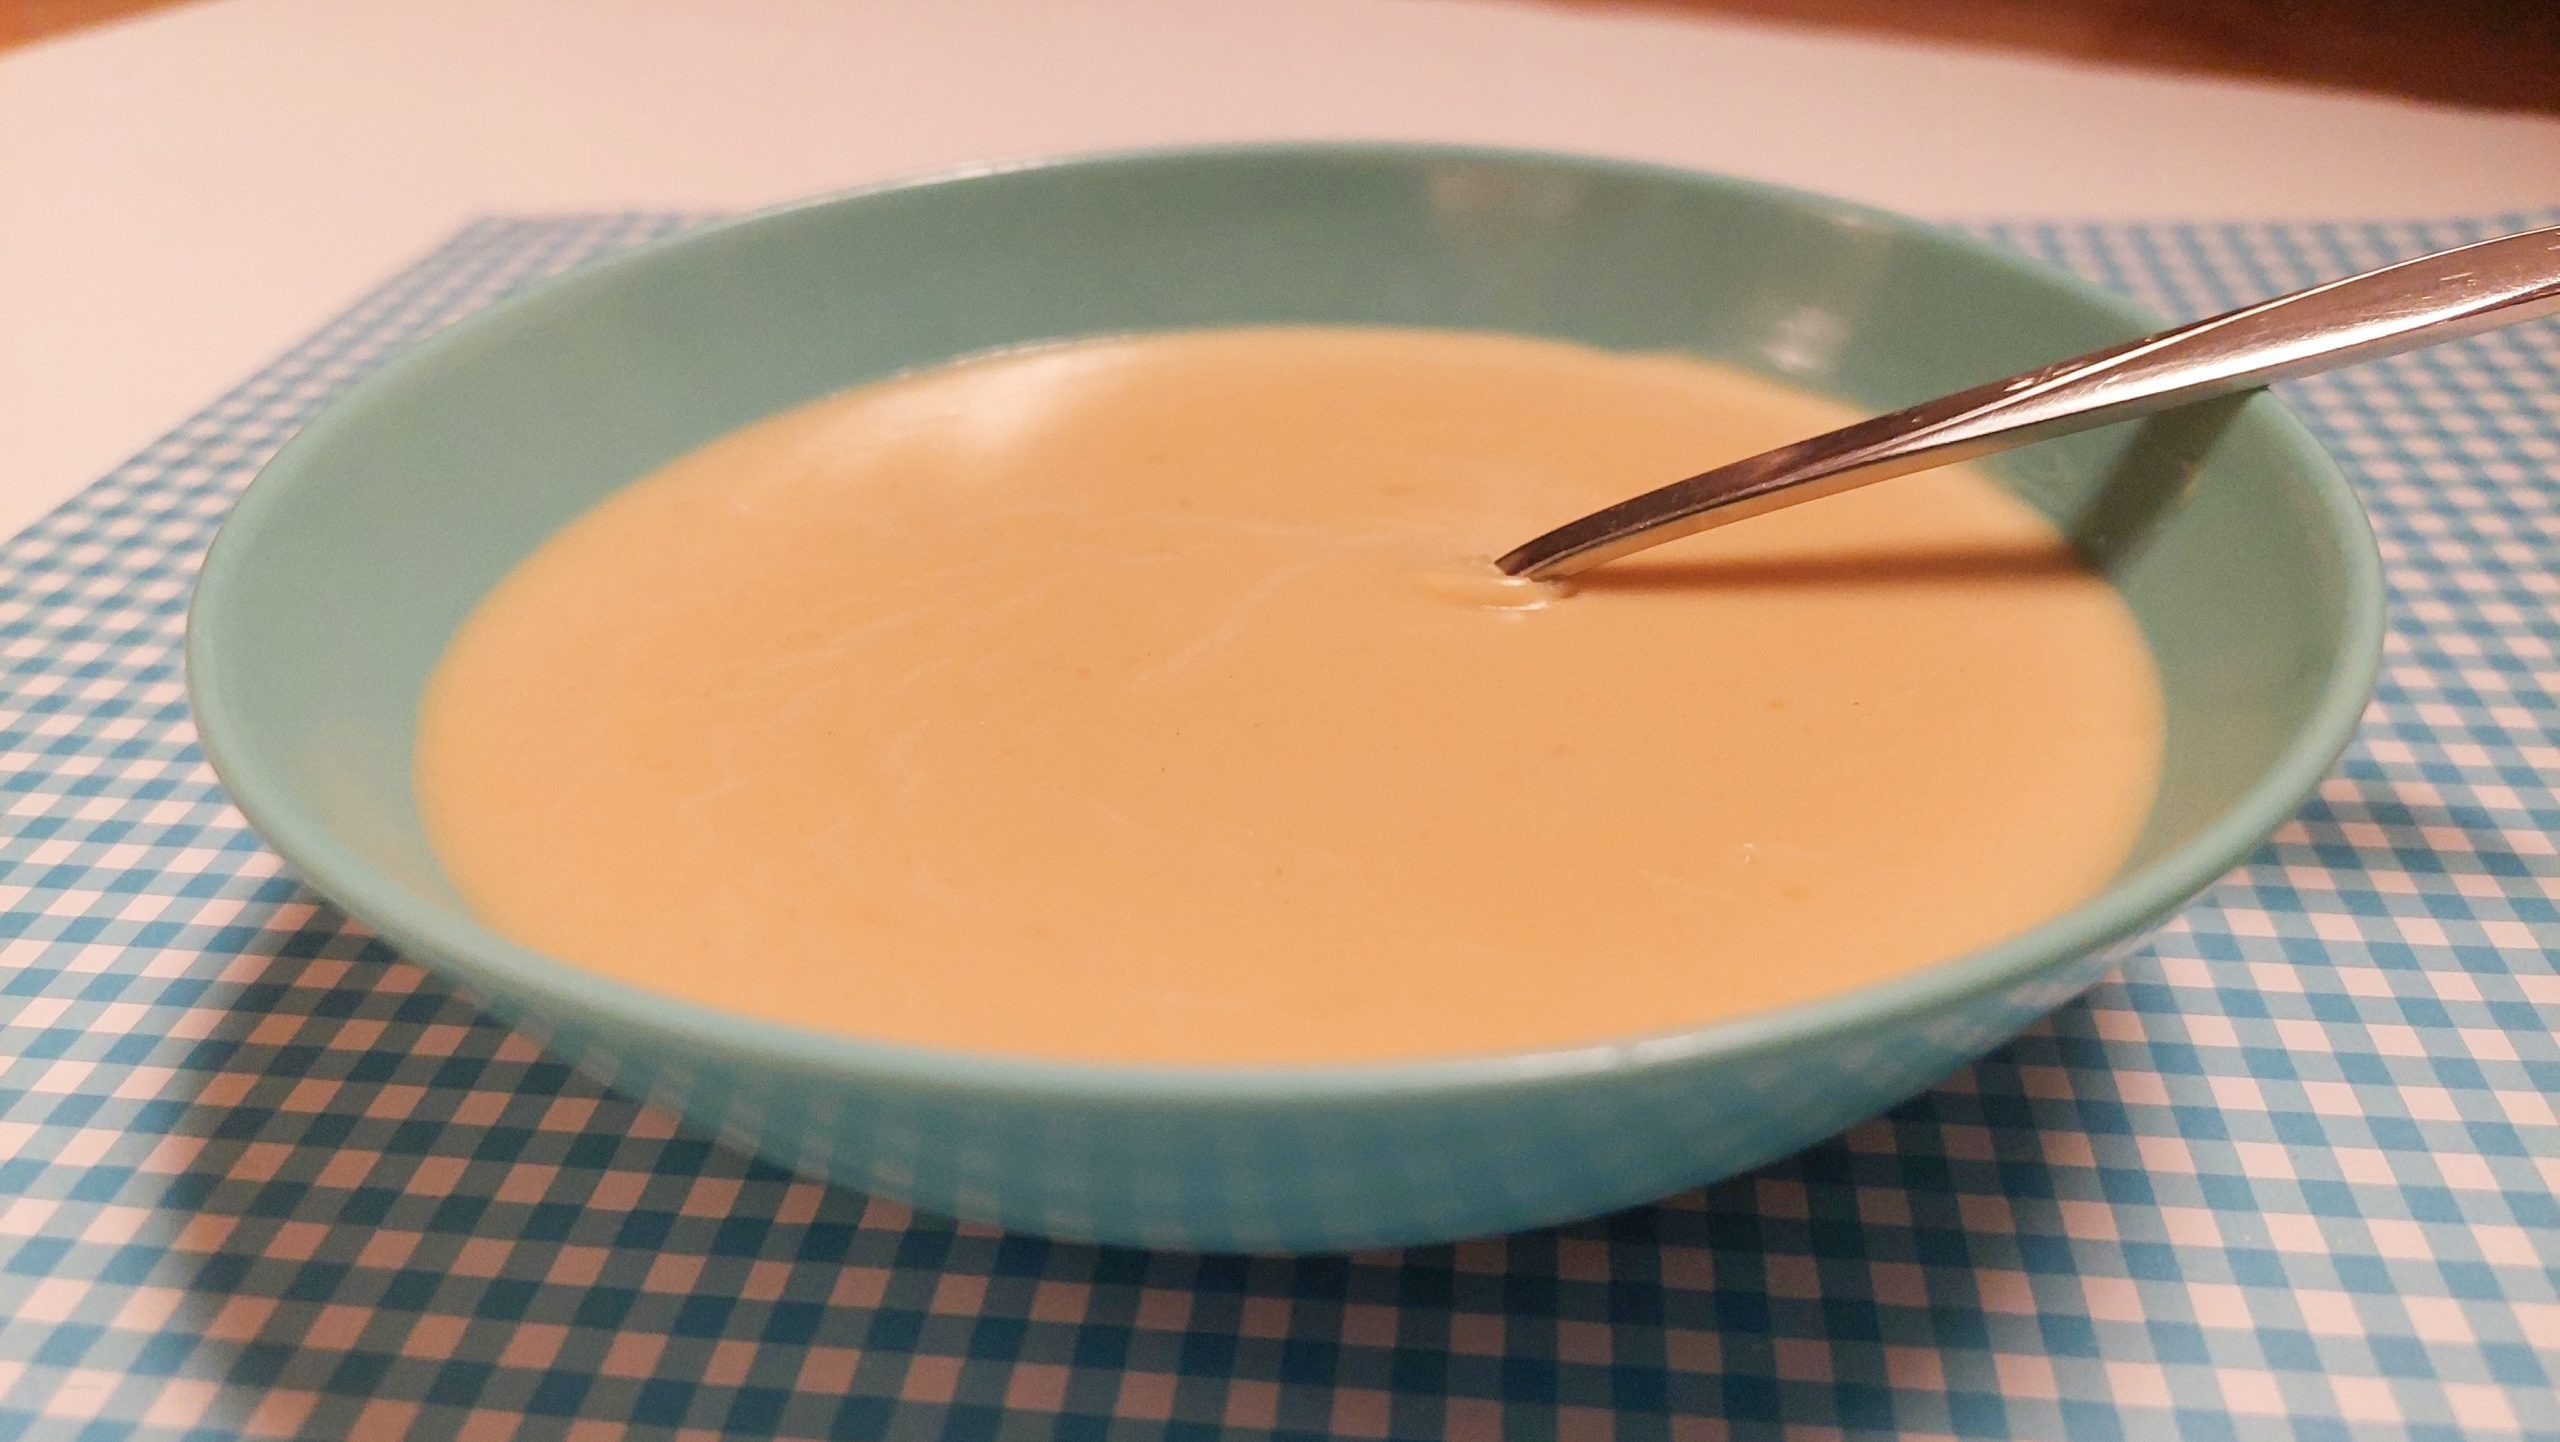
x=2400, y=307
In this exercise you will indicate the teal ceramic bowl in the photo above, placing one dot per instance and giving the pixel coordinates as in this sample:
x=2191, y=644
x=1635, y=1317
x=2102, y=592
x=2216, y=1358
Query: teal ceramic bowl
x=349, y=562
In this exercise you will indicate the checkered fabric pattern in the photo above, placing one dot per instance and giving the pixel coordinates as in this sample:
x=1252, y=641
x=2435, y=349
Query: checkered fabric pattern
x=2291, y=1172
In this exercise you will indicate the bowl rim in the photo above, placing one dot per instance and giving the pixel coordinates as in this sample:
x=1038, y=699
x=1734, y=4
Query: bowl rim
x=530, y=987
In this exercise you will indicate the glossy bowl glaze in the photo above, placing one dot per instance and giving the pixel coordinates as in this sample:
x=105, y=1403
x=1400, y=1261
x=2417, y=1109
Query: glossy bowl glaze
x=348, y=563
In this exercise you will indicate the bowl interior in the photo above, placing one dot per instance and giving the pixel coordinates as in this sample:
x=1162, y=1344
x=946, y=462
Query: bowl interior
x=337, y=582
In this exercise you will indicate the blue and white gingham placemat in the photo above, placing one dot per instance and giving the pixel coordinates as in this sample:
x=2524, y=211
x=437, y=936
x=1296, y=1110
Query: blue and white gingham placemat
x=2291, y=1174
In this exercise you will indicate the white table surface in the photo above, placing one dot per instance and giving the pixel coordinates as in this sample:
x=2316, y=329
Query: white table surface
x=183, y=195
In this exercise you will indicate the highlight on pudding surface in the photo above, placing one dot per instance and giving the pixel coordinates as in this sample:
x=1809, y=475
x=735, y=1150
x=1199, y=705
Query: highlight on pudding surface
x=1150, y=699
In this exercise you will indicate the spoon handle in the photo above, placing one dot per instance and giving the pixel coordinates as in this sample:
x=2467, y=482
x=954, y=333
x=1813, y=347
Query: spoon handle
x=2400, y=307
